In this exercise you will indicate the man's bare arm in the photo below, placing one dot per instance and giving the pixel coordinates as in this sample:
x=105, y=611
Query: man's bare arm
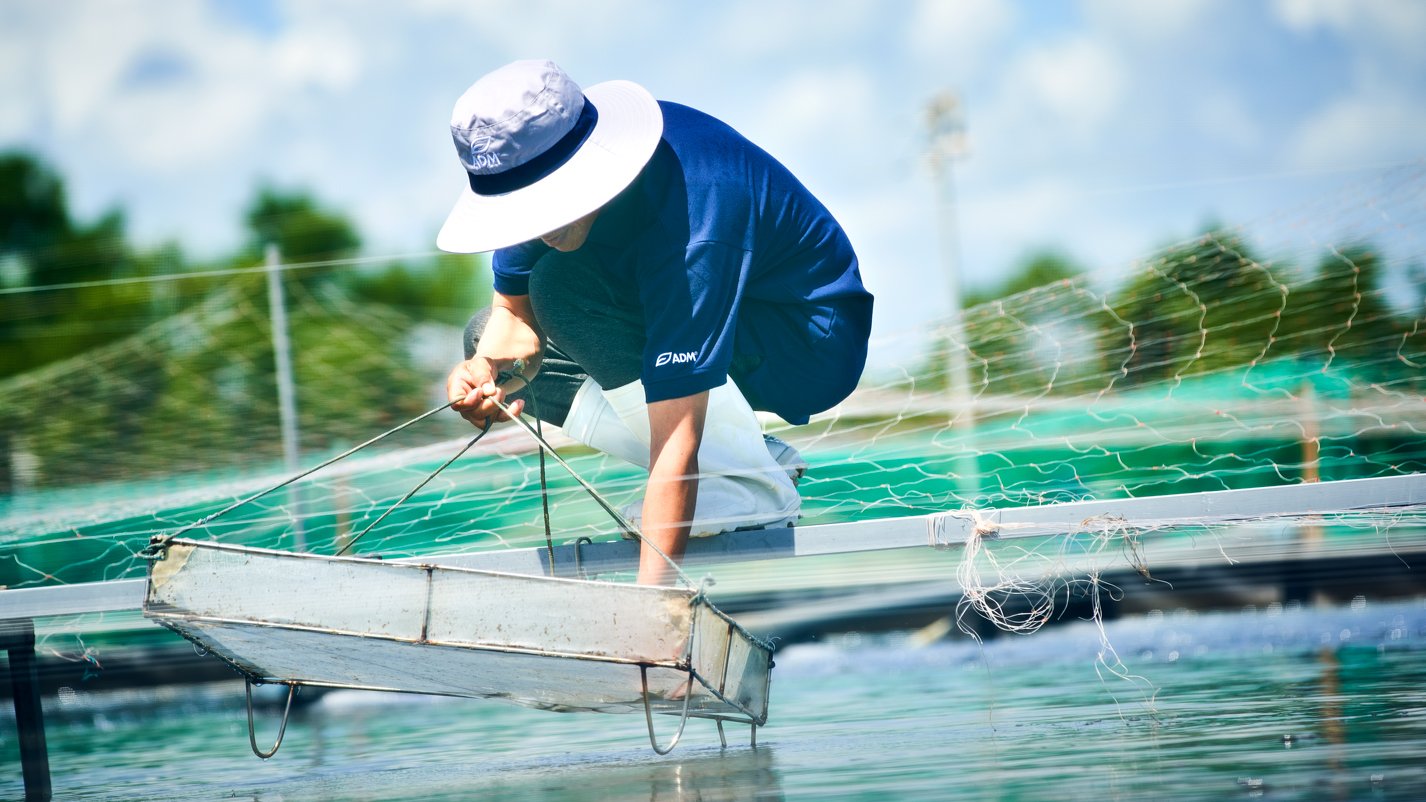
x=676, y=429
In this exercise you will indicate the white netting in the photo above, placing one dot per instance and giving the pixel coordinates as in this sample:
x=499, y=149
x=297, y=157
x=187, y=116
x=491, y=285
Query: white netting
x=1288, y=351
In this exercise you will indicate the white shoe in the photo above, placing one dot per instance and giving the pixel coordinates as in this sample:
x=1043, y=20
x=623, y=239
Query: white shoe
x=786, y=456
x=747, y=481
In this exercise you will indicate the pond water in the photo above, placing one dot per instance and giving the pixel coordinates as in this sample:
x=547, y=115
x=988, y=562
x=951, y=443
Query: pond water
x=1274, y=704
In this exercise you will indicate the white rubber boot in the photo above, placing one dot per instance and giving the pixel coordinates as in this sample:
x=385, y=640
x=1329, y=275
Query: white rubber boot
x=593, y=422
x=741, y=485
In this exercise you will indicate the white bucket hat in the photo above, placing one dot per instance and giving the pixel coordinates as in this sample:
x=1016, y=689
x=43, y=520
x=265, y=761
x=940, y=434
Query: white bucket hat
x=540, y=154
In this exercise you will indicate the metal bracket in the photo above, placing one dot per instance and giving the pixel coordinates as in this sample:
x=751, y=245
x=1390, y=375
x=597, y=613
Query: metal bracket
x=578, y=557
x=649, y=714
x=157, y=549
x=723, y=738
x=282, y=730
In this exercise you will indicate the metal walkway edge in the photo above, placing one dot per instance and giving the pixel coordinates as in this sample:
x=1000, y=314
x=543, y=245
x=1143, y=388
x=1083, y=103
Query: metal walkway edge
x=940, y=530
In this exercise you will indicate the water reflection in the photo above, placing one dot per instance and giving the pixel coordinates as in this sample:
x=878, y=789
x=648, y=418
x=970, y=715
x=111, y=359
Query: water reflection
x=1287, y=704
x=1329, y=698
x=738, y=773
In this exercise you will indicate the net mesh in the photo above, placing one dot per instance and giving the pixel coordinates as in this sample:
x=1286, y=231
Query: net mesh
x=1283, y=352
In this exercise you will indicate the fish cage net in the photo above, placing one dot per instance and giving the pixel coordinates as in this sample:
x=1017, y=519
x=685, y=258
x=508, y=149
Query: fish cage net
x=1288, y=351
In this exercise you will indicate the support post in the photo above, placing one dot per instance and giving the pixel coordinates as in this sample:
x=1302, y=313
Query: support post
x=286, y=387
x=18, y=638
x=945, y=120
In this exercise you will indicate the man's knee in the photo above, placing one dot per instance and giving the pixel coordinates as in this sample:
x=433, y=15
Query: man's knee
x=560, y=289
x=592, y=314
x=474, y=329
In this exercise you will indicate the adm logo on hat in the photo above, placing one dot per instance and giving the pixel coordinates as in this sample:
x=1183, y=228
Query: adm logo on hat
x=480, y=155
x=539, y=153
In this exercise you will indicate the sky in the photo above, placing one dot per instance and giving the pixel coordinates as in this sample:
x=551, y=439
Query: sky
x=1104, y=129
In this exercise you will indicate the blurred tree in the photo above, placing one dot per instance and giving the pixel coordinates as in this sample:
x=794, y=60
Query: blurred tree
x=1198, y=307
x=1010, y=337
x=1213, y=305
x=33, y=213
x=1341, y=311
x=43, y=246
x=1039, y=269
x=446, y=290
x=301, y=229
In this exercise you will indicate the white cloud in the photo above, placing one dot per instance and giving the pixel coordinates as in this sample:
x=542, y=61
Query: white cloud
x=1015, y=217
x=1071, y=87
x=957, y=36
x=315, y=58
x=172, y=86
x=18, y=112
x=754, y=29
x=1397, y=24
x=84, y=60
x=1305, y=15
x=173, y=109
x=813, y=121
x=1359, y=130
x=502, y=30
x=1224, y=117
x=1154, y=22
x=1380, y=118
x=893, y=227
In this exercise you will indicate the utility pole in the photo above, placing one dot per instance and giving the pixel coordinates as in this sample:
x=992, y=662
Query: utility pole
x=945, y=122
x=946, y=130
x=286, y=387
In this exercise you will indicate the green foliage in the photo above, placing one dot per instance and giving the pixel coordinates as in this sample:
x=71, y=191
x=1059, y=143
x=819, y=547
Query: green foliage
x=1039, y=269
x=1213, y=304
x=1341, y=310
x=33, y=212
x=177, y=375
x=1202, y=307
x=44, y=246
x=1199, y=307
x=448, y=289
x=1004, y=345
x=301, y=230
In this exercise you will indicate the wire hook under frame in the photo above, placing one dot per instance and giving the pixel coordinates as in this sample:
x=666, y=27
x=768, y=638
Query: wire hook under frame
x=282, y=730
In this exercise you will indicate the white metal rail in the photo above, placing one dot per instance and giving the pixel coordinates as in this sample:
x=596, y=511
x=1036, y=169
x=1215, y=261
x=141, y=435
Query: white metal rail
x=943, y=529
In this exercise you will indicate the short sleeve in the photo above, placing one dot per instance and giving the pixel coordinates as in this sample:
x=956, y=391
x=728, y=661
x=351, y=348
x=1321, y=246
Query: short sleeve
x=512, y=266
x=690, y=308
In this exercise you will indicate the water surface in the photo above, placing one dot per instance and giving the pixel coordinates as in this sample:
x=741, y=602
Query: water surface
x=1277, y=704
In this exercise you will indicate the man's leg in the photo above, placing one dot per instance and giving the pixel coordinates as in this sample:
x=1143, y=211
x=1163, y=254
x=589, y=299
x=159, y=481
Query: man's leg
x=594, y=316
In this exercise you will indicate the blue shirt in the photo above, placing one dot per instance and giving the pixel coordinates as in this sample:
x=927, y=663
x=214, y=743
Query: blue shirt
x=737, y=267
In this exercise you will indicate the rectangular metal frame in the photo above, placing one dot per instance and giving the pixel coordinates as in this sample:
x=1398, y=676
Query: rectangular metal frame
x=545, y=642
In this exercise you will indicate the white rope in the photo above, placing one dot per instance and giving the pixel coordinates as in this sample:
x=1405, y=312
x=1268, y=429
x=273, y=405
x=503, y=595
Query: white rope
x=619, y=519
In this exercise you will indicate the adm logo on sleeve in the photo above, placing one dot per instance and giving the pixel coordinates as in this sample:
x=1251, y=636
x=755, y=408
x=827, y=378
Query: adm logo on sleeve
x=675, y=358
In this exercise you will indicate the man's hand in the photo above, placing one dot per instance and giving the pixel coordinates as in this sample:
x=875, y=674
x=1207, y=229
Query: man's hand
x=471, y=385
x=511, y=344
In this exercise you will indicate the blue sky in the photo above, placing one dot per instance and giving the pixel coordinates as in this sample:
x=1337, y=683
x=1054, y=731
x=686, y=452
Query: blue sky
x=1103, y=128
